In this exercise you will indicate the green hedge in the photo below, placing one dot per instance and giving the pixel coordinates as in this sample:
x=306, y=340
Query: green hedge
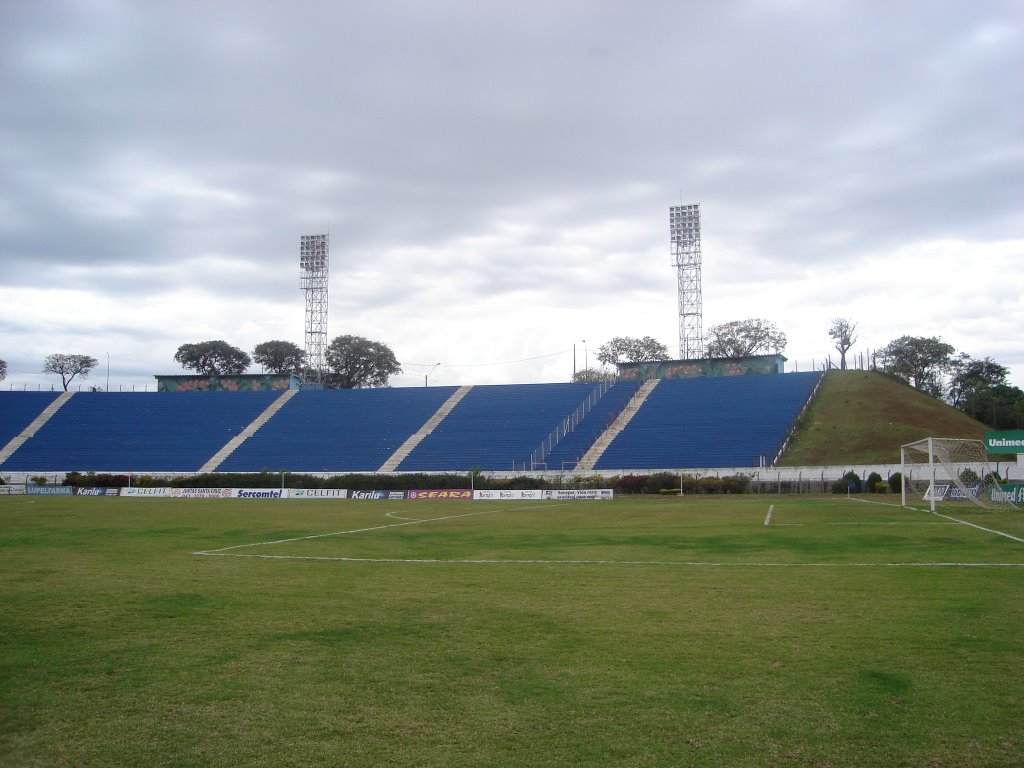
x=658, y=483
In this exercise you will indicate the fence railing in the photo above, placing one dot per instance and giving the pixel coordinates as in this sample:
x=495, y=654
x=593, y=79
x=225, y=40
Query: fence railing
x=796, y=422
x=567, y=425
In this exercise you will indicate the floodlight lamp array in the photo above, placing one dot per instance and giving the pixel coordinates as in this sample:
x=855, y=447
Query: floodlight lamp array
x=313, y=253
x=684, y=225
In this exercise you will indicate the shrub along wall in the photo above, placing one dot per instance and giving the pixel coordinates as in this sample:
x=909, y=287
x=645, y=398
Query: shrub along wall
x=659, y=483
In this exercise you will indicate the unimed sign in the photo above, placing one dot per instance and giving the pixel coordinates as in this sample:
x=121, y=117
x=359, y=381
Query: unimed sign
x=1007, y=441
x=1009, y=492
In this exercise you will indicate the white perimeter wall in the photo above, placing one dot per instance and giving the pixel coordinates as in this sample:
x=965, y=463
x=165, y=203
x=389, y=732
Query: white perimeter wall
x=1012, y=471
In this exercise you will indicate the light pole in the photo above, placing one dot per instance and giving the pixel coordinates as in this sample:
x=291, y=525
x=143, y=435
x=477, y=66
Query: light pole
x=426, y=377
x=586, y=357
x=108, y=371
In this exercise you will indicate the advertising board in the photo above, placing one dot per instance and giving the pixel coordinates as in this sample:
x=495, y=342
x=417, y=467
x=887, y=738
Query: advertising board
x=1005, y=441
x=49, y=490
x=146, y=492
x=96, y=491
x=509, y=495
x=1007, y=492
x=317, y=493
x=12, y=490
x=973, y=492
x=257, y=493
x=440, y=493
x=592, y=493
x=201, y=493
x=377, y=495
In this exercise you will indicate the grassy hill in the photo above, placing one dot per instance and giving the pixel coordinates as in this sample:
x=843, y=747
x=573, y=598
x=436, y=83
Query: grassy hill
x=863, y=417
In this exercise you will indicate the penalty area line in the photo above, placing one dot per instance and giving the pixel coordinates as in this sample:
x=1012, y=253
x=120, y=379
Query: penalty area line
x=980, y=527
x=357, y=530
x=771, y=509
x=948, y=517
x=678, y=563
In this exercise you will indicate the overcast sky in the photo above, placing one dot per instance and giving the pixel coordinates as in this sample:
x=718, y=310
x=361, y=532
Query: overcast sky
x=496, y=176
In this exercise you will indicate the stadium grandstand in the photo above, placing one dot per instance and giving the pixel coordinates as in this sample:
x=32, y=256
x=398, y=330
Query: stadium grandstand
x=733, y=421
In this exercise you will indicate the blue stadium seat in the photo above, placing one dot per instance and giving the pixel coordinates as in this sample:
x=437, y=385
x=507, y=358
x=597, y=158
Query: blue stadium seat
x=729, y=421
x=338, y=430
x=496, y=427
x=567, y=453
x=19, y=409
x=139, y=431
x=685, y=423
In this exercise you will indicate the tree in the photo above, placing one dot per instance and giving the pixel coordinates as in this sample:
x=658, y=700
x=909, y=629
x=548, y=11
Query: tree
x=69, y=366
x=593, y=375
x=743, y=338
x=280, y=357
x=844, y=333
x=969, y=378
x=919, y=361
x=355, y=362
x=212, y=358
x=1000, y=407
x=624, y=349
x=3, y=370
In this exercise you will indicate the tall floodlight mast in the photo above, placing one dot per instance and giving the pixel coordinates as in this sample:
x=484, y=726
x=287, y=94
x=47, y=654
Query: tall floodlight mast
x=684, y=234
x=314, y=261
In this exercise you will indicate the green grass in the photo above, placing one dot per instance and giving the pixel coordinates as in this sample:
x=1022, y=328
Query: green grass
x=863, y=417
x=682, y=632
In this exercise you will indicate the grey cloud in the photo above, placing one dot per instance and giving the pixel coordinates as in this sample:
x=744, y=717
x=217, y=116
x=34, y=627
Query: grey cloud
x=150, y=147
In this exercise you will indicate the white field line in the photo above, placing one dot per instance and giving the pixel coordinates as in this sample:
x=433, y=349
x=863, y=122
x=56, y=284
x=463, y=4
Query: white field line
x=229, y=551
x=880, y=503
x=360, y=530
x=393, y=516
x=768, y=519
x=949, y=517
x=684, y=563
x=981, y=527
x=825, y=525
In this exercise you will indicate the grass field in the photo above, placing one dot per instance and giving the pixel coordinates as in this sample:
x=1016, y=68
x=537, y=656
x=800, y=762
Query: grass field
x=863, y=417
x=732, y=631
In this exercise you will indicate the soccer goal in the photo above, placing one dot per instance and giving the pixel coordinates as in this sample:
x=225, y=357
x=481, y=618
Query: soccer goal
x=950, y=469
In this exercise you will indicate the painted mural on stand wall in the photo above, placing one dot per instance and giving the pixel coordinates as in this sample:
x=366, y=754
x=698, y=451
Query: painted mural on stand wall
x=689, y=369
x=247, y=382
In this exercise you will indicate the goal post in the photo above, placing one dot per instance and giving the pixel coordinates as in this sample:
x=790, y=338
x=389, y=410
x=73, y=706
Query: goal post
x=950, y=469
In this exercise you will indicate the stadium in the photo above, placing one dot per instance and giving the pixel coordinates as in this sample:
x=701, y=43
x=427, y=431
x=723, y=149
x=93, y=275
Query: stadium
x=521, y=612
x=705, y=561
x=738, y=421
x=228, y=542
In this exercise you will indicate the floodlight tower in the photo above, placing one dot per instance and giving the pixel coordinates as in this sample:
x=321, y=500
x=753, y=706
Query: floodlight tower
x=684, y=235
x=314, y=261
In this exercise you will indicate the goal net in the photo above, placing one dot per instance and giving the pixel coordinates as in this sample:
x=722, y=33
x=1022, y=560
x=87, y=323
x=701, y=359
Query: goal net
x=943, y=469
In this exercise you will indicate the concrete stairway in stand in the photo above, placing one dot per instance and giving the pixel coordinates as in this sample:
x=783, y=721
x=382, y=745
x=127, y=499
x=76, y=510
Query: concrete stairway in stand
x=232, y=445
x=407, y=447
x=591, y=457
x=16, y=442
